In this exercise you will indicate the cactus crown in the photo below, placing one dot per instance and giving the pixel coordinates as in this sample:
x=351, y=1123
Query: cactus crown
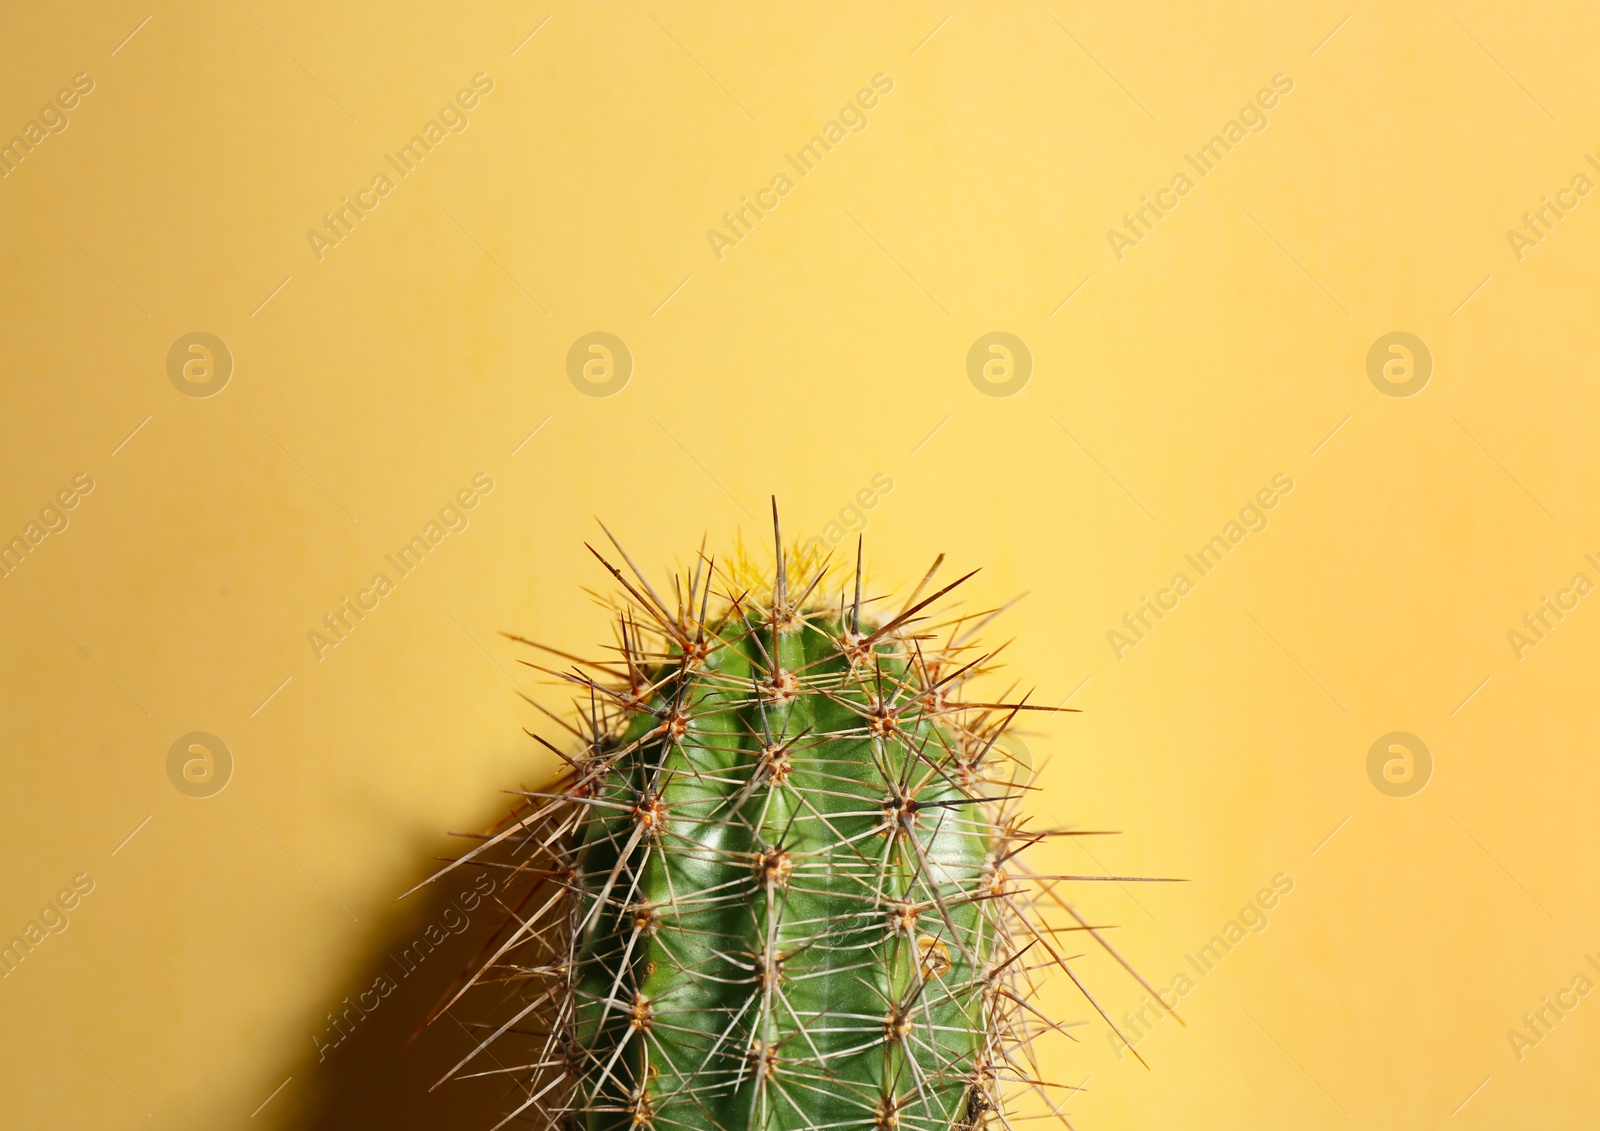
x=779, y=888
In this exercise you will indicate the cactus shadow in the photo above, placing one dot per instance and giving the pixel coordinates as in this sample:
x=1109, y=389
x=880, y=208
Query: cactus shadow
x=374, y=1068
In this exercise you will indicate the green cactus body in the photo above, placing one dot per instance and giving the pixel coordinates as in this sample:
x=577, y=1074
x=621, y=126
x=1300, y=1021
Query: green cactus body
x=772, y=892
x=780, y=920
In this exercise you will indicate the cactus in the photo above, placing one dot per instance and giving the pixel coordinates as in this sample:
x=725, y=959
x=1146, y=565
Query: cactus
x=779, y=887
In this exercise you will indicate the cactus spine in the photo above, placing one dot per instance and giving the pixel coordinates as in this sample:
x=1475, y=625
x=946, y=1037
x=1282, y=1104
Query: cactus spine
x=772, y=892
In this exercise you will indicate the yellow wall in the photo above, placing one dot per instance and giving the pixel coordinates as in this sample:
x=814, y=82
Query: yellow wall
x=1228, y=347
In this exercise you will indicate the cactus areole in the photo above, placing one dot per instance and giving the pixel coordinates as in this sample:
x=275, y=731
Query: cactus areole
x=771, y=892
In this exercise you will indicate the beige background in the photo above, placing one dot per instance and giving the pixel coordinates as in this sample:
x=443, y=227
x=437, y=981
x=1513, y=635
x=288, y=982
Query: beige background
x=828, y=347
